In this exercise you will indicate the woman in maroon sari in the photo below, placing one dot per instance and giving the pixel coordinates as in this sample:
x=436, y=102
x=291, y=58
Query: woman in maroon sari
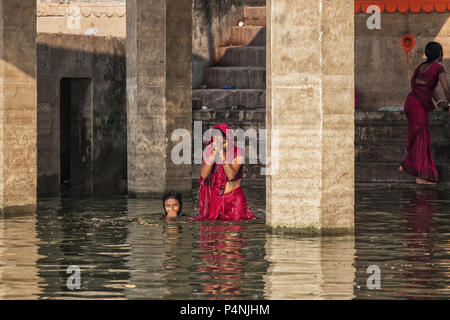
x=221, y=195
x=419, y=159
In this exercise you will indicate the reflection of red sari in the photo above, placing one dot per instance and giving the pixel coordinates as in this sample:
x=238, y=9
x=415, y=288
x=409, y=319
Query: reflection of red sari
x=222, y=272
x=419, y=160
x=419, y=239
x=213, y=203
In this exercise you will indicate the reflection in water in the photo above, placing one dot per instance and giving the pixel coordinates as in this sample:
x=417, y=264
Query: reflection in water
x=125, y=251
x=86, y=233
x=310, y=268
x=405, y=233
x=19, y=277
x=147, y=253
x=223, y=272
x=419, y=212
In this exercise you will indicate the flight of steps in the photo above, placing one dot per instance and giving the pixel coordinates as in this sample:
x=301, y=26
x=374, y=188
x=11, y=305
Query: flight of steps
x=380, y=146
x=242, y=64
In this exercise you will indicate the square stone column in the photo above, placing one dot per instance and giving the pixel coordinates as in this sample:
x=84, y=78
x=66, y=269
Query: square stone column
x=18, y=106
x=310, y=109
x=159, y=91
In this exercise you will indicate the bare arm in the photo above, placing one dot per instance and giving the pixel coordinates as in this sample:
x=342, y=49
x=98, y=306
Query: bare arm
x=439, y=103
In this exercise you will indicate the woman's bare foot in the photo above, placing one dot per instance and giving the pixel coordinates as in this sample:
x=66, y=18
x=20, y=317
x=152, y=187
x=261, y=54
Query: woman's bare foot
x=423, y=181
x=400, y=169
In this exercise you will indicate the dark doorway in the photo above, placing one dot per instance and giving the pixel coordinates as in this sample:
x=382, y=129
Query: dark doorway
x=76, y=135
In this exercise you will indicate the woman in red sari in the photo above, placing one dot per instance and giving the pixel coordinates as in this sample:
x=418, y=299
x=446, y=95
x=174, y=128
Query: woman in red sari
x=419, y=159
x=221, y=195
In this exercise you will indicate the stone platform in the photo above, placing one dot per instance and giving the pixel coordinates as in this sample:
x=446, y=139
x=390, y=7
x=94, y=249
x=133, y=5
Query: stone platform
x=380, y=145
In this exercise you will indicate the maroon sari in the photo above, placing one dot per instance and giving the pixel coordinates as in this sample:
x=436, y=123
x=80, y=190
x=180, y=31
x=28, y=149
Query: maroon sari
x=213, y=203
x=419, y=159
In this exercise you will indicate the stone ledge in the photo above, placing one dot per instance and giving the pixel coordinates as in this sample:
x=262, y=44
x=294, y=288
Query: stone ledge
x=397, y=186
x=309, y=231
x=107, y=9
x=18, y=210
x=381, y=116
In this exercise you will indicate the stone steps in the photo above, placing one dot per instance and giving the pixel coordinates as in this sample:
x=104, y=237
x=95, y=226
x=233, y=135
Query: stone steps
x=241, y=65
x=252, y=56
x=244, y=119
x=238, y=77
x=248, y=36
x=381, y=141
x=219, y=99
x=395, y=152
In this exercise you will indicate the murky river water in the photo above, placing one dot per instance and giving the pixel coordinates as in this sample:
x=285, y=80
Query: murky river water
x=124, y=251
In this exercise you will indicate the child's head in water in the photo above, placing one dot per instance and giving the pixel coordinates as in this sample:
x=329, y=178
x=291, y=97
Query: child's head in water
x=172, y=204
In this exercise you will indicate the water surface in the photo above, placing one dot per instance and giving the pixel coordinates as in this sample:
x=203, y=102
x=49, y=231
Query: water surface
x=124, y=251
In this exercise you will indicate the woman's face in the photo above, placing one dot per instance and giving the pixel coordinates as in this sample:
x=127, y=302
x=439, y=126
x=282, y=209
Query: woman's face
x=172, y=207
x=219, y=140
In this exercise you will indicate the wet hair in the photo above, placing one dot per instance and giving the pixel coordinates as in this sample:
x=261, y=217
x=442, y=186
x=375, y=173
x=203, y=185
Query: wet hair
x=172, y=195
x=433, y=51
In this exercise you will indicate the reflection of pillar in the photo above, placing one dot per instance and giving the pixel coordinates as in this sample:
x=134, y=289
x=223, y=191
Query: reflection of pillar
x=18, y=105
x=159, y=90
x=338, y=271
x=147, y=254
x=309, y=268
x=310, y=107
x=19, y=275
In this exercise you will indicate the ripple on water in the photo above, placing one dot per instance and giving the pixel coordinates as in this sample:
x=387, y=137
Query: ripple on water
x=125, y=251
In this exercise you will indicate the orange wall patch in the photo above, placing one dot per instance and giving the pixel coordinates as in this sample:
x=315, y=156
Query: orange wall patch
x=403, y=6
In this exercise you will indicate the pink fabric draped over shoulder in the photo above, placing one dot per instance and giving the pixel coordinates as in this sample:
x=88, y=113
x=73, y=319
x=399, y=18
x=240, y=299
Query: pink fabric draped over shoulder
x=419, y=160
x=213, y=203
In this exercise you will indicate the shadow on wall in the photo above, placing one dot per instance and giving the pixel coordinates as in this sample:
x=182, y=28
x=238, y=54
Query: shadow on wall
x=98, y=114
x=383, y=69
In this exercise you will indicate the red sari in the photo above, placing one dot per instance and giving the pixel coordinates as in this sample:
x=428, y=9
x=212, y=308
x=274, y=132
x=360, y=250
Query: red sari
x=213, y=203
x=419, y=159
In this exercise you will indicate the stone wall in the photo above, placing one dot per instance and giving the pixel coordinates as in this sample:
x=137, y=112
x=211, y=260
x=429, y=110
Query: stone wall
x=212, y=22
x=101, y=59
x=382, y=69
x=100, y=18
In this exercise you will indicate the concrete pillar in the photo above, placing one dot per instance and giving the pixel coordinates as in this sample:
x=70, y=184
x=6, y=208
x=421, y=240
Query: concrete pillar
x=18, y=106
x=310, y=107
x=159, y=90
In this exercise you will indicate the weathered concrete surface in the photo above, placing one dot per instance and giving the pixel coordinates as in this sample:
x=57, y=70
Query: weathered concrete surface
x=102, y=60
x=380, y=146
x=159, y=93
x=218, y=99
x=104, y=18
x=382, y=69
x=239, y=77
x=17, y=106
x=310, y=107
